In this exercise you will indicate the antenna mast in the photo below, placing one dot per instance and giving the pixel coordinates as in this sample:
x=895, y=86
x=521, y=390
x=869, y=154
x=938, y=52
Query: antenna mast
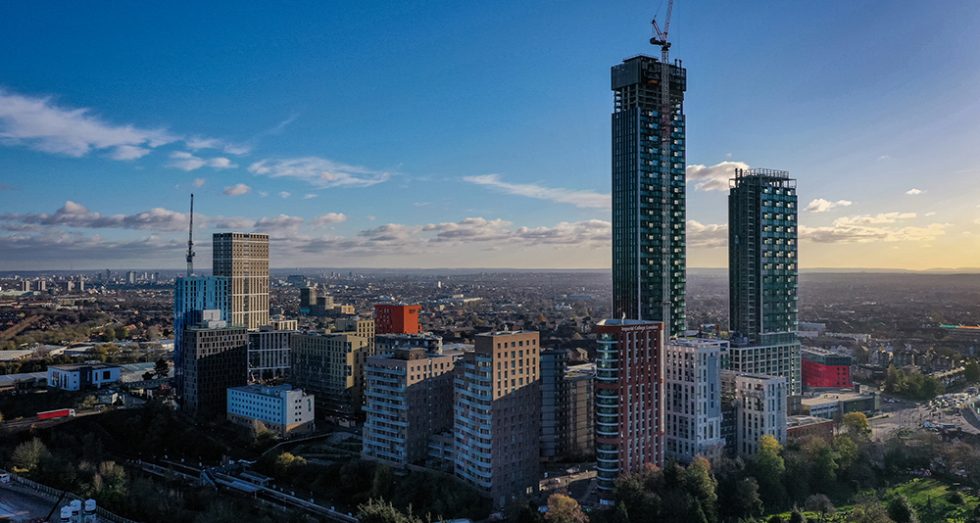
x=190, y=241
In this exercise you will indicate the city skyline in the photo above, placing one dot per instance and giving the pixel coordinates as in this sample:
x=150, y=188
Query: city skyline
x=443, y=135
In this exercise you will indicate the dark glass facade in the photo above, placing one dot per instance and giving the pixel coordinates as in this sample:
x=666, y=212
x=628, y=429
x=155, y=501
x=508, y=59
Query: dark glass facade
x=648, y=193
x=762, y=260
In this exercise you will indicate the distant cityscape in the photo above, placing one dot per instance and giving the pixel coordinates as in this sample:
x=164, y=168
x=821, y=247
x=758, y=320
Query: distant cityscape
x=661, y=393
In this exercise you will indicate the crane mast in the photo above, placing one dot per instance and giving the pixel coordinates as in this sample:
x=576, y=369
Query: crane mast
x=660, y=38
x=190, y=241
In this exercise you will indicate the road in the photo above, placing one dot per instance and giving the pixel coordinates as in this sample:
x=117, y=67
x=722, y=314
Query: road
x=904, y=414
x=21, y=507
x=23, y=424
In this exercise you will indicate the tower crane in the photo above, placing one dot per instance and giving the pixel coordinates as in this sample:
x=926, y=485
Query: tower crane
x=661, y=38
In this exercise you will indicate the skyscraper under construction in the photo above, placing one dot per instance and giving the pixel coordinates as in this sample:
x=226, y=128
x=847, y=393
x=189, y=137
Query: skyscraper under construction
x=648, y=191
x=763, y=273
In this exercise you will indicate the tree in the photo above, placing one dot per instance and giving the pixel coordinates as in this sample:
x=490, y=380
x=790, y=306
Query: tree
x=856, y=424
x=161, y=368
x=796, y=517
x=972, y=371
x=380, y=511
x=702, y=486
x=869, y=511
x=819, y=503
x=775, y=519
x=286, y=462
x=28, y=454
x=746, y=501
x=563, y=509
x=900, y=510
x=767, y=466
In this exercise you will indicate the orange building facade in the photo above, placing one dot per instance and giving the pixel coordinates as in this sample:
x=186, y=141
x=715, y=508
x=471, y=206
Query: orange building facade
x=397, y=319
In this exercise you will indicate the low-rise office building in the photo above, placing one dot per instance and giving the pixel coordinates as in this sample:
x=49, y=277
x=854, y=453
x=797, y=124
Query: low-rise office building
x=282, y=408
x=823, y=369
x=82, y=377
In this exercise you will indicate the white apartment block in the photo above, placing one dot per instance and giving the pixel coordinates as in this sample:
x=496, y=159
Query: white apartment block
x=777, y=359
x=282, y=408
x=755, y=406
x=692, y=399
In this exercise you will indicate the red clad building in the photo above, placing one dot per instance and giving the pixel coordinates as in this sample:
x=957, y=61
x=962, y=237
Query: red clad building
x=397, y=319
x=629, y=400
x=823, y=369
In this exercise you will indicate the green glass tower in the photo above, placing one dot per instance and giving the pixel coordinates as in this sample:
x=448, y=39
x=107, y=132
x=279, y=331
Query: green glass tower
x=648, y=192
x=763, y=275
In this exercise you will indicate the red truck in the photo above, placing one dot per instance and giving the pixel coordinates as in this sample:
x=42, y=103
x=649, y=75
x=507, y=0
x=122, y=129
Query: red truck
x=55, y=414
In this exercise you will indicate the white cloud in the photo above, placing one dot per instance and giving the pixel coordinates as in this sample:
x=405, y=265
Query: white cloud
x=882, y=227
x=75, y=215
x=281, y=225
x=706, y=234
x=329, y=219
x=319, y=172
x=309, y=196
x=469, y=229
x=186, y=161
x=914, y=192
x=42, y=124
x=284, y=194
x=197, y=142
x=874, y=219
x=576, y=197
x=822, y=205
x=238, y=189
x=713, y=177
x=199, y=182
x=128, y=152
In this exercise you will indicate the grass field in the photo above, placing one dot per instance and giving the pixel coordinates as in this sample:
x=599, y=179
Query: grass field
x=930, y=497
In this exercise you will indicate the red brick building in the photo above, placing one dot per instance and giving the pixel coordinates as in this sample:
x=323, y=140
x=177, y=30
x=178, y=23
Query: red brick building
x=397, y=319
x=629, y=399
x=823, y=369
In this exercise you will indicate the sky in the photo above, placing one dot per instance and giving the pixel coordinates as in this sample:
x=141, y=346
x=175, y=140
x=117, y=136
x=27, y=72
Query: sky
x=473, y=134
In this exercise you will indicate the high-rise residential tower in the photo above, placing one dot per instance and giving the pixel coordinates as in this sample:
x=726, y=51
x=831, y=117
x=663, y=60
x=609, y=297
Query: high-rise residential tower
x=192, y=296
x=214, y=359
x=244, y=258
x=497, y=415
x=648, y=192
x=629, y=400
x=693, y=399
x=763, y=275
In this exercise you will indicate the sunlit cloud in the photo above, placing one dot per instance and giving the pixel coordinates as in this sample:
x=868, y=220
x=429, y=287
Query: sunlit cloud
x=319, y=172
x=713, y=177
x=576, y=197
x=238, y=189
x=818, y=205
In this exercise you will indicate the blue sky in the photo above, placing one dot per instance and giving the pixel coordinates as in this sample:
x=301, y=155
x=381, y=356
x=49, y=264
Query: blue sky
x=466, y=134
